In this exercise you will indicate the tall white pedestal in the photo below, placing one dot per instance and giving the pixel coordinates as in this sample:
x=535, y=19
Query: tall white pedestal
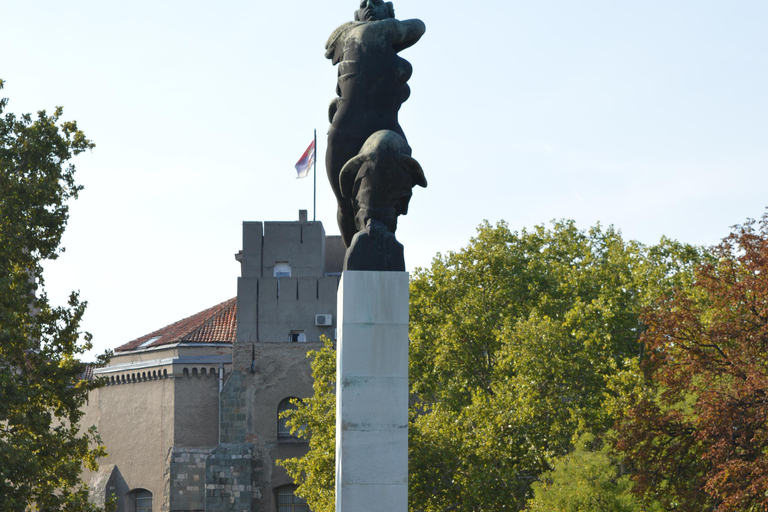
x=372, y=393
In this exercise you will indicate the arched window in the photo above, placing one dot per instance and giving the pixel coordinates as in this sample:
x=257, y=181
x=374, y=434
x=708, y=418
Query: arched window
x=287, y=501
x=139, y=500
x=283, y=431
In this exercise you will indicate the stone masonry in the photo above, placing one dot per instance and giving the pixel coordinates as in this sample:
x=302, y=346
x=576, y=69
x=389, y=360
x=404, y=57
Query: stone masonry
x=185, y=479
x=231, y=469
x=230, y=472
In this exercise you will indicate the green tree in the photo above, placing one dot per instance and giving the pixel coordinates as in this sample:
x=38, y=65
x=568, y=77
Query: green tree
x=587, y=479
x=315, y=420
x=696, y=428
x=42, y=448
x=513, y=339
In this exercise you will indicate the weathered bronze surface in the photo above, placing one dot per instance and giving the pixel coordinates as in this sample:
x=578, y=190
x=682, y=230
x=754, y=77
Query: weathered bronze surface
x=369, y=181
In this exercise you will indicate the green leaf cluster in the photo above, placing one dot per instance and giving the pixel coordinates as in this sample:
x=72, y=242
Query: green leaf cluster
x=588, y=479
x=42, y=446
x=315, y=420
x=514, y=340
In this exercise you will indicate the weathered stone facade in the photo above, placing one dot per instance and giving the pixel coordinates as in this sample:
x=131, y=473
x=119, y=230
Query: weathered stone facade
x=232, y=409
x=232, y=476
x=190, y=415
x=185, y=479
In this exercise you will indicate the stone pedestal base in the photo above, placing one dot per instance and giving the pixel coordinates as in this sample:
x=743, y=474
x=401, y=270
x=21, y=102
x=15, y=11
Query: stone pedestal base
x=372, y=393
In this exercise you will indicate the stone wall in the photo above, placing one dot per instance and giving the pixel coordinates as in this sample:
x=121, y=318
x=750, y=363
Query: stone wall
x=230, y=474
x=136, y=423
x=229, y=469
x=185, y=479
x=196, y=421
x=270, y=373
x=232, y=410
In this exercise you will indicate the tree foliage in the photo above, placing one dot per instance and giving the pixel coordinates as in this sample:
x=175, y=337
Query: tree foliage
x=513, y=339
x=588, y=478
x=42, y=448
x=697, y=429
x=315, y=420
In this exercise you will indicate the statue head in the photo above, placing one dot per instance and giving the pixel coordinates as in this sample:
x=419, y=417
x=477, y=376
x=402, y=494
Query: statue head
x=374, y=10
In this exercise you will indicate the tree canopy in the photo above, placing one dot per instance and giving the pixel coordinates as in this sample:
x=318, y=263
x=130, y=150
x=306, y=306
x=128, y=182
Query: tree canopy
x=696, y=425
x=513, y=339
x=588, y=478
x=42, y=448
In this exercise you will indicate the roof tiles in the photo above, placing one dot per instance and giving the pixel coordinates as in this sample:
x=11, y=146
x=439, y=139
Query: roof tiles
x=214, y=325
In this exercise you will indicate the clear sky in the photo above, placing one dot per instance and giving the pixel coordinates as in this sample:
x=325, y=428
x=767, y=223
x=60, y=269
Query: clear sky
x=649, y=115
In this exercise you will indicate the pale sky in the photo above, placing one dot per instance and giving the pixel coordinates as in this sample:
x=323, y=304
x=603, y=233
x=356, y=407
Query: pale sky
x=648, y=115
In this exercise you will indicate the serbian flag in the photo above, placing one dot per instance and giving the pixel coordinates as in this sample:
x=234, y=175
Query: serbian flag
x=306, y=160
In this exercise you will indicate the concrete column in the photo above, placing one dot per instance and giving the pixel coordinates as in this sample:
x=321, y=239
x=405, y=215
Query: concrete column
x=372, y=393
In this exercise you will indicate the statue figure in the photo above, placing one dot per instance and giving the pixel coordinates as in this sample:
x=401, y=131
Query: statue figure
x=372, y=84
x=378, y=182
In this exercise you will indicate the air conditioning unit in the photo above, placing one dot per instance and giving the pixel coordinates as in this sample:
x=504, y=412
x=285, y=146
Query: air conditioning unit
x=323, y=320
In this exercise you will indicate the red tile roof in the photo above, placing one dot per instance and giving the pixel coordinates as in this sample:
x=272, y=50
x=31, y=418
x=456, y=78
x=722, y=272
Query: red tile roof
x=214, y=325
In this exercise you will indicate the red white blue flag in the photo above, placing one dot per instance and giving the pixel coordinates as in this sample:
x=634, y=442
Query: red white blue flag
x=306, y=161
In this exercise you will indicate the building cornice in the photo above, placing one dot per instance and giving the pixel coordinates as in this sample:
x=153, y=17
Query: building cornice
x=166, y=361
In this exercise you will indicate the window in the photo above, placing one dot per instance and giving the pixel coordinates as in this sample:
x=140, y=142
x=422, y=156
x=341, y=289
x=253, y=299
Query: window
x=297, y=336
x=283, y=431
x=282, y=269
x=287, y=501
x=149, y=341
x=141, y=500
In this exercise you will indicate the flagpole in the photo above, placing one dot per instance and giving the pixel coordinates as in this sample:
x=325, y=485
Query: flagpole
x=314, y=191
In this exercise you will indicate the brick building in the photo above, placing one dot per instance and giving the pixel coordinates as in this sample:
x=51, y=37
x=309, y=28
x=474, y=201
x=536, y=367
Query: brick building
x=189, y=416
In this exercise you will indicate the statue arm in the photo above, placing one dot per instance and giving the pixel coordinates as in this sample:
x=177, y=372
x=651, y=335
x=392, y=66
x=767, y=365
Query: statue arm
x=407, y=33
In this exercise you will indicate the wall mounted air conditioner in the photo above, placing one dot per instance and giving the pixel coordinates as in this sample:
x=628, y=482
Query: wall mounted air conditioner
x=323, y=320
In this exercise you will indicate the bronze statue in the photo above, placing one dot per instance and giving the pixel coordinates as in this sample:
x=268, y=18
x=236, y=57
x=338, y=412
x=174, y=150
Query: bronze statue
x=378, y=181
x=372, y=84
